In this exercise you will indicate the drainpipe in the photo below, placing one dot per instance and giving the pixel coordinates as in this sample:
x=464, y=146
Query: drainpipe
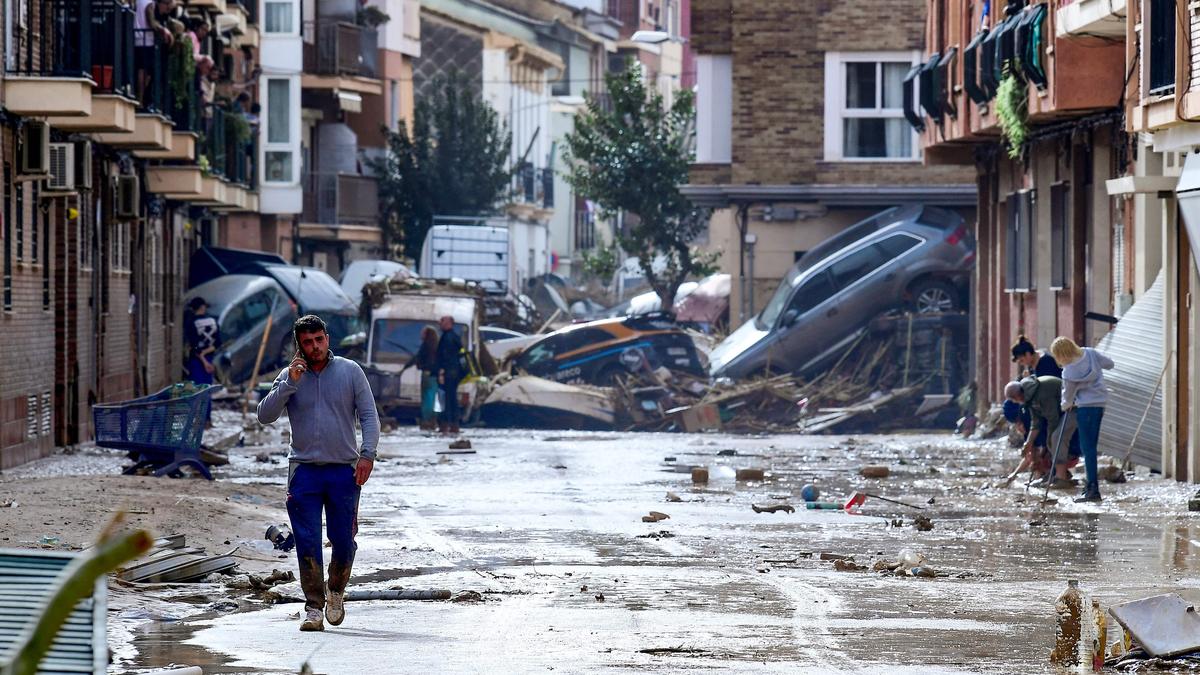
x=749, y=241
x=743, y=213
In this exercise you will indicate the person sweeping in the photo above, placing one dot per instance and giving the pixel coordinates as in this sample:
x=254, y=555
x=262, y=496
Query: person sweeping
x=1085, y=392
x=324, y=396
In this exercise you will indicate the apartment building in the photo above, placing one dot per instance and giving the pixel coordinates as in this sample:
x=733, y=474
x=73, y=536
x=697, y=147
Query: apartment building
x=800, y=130
x=114, y=165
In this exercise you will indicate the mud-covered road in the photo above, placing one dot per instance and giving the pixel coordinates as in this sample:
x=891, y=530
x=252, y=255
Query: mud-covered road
x=547, y=528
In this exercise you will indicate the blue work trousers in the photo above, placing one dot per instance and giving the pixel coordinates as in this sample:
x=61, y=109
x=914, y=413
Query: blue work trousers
x=311, y=489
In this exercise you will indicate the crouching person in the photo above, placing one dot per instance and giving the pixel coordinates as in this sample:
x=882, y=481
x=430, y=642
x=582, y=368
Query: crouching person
x=324, y=396
x=1041, y=395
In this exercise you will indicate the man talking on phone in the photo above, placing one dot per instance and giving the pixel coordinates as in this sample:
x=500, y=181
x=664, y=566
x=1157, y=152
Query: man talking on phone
x=324, y=395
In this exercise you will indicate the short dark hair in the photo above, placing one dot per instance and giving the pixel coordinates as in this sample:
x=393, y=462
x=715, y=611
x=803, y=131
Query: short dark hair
x=196, y=303
x=309, y=323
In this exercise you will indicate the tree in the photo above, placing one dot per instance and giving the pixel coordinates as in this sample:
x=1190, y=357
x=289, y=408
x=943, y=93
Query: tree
x=630, y=153
x=451, y=163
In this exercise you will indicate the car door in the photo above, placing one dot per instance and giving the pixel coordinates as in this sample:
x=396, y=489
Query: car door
x=867, y=279
x=801, y=326
x=255, y=310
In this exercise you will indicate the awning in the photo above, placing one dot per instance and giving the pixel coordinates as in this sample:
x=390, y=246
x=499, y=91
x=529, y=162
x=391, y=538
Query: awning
x=975, y=89
x=1188, y=192
x=911, y=113
x=929, y=97
x=1028, y=40
x=941, y=82
x=1136, y=346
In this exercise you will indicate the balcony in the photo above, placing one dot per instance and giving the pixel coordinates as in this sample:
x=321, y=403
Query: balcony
x=1080, y=18
x=111, y=70
x=50, y=71
x=229, y=147
x=532, y=191
x=336, y=200
x=341, y=55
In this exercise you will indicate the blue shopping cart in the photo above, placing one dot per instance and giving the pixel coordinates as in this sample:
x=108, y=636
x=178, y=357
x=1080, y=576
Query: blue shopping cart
x=162, y=431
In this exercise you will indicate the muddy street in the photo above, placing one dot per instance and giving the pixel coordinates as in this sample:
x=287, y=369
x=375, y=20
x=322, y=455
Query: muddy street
x=547, y=528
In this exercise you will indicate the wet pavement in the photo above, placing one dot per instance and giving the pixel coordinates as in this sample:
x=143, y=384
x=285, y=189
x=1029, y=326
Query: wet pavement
x=547, y=527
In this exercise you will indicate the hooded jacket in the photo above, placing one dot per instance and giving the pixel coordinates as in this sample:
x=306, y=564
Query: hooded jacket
x=1084, y=380
x=1042, y=396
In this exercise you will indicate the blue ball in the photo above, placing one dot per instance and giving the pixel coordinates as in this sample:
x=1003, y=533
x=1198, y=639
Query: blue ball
x=809, y=493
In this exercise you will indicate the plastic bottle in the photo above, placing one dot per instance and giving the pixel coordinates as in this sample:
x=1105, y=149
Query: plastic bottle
x=1101, y=637
x=1076, y=634
x=910, y=558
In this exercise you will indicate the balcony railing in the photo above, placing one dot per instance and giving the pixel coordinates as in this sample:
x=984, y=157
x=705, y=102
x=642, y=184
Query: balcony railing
x=340, y=48
x=341, y=199
x=230, y=146
x=74, y=38
x=533, y=186
x=585, y=229
x=152, y=61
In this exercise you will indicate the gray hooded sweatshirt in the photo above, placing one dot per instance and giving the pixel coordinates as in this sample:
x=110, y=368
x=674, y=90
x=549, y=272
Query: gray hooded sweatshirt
x=1083, y=381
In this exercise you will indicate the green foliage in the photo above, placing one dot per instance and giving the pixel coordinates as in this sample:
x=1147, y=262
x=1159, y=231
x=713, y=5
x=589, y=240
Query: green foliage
x=601, y=263
x=237, y=127
x=630, y=152
x=372, y=17
x=204, y=164
x=1012, y=111
x=181, y=71
x=451, y=163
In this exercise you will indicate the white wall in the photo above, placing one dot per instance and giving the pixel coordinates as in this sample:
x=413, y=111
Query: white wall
x=281, y=56
x=714, y=108
x=403, y=33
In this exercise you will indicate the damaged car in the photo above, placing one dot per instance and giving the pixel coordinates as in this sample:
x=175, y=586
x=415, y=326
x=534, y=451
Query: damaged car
x=914, y=257
x=597, y=352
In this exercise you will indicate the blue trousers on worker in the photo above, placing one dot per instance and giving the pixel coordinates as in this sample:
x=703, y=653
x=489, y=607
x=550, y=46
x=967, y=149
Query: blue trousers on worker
x=1089, y=418
x=313, y=488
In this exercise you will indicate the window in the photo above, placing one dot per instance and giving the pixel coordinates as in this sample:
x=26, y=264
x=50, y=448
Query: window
x=281, y=17
x=714, y=108
x=1018, y=251
x=278, y=160
x=34, y=252
x=1162, y=46
x=583, y=338
x=812, y=293
x=854, y=267
x=20, y=214
x=1060, y=235
x=897, y=244
x=864, y=107
x=8, y=273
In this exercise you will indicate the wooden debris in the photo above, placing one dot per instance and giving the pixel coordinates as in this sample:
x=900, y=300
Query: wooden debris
x=774, y=508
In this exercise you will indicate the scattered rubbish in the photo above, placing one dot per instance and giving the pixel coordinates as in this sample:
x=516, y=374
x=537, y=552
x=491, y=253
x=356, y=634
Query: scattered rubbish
x=671, y=650
x=727, y=453
x=824, y=506
x=461, y=444
x=668, y=459
x=661, y=534
x=599, y=597
x=583, y=589
x=223, y=606
x=48, y=542
x=697, y=418
x=1194, y=502
x=836, y=556
x=909, y=558
x=1112, y=474
x=183, y=565
x=273, y=579
x=9, y=504
x=654, y=517
x=857, y=499
x=263, y=458
x=925, y=572
x=774, y=508
x=810, y=493
x=456, y=452
x=874, y=472
x=923, y=523
x=848, y=566
x=750, y=474
x=467, y=596
x=672, y=497
x=931, y=501
x=1163, y=625
x=885, y=566
x=281, y=537
x=1077, y=644
x=700, y=475
x=534, y=402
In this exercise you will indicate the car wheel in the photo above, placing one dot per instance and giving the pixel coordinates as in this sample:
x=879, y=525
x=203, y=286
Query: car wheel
x=934, y=296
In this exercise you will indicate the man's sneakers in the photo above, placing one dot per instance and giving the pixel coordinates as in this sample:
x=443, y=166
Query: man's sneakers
x=335, y=607
x=313, y=621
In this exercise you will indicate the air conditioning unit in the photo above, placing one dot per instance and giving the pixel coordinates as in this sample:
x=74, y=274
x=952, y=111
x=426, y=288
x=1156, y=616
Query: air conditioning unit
x=127, y=197
x=35, y=149
x=62, y=168
x=83, y=165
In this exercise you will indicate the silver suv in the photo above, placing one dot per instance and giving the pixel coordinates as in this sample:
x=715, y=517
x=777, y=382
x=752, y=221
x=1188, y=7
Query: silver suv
x=919, y=256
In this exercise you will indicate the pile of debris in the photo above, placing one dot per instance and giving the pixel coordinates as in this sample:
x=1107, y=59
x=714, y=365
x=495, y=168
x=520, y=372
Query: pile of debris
x=173, y=561
x=890, y=367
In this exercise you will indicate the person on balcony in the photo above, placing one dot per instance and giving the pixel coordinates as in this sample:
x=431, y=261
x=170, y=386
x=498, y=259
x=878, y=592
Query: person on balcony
x=149, y=22
x=197, y=33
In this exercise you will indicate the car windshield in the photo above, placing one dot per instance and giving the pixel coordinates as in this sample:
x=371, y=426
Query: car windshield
x=398, y=340
x=340, y=326
x=854, y=233
x=778, y=301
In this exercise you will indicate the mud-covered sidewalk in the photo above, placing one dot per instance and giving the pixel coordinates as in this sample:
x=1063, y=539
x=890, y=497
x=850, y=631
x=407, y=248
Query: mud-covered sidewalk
x=548, y=529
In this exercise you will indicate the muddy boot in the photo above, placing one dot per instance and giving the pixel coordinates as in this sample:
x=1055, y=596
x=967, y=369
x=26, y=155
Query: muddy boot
x=312, y=621
x=442, y=428
x=1090, y=494
x=454, y=430
x=335, y=609
x=312, y=582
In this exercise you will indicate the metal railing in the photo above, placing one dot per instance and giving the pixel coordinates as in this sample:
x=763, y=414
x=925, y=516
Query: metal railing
x=340, y=48
x=533, y=186
x=183, y=107
x=547, y=176
x=585, y=229
x=341, y=199
x=151, y=61
x=52, y=39
x=112, y=66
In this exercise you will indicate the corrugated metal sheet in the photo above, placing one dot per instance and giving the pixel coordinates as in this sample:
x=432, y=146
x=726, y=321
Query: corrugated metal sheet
x=26, y=579
x=1136, y=345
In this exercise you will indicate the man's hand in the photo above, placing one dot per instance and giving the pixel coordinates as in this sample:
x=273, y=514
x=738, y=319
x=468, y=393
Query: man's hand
x=297, y=368
x=441, y=377
x=362, y=470
x=208, y=366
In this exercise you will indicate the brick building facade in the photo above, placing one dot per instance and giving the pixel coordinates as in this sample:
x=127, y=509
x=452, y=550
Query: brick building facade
x=799, y=131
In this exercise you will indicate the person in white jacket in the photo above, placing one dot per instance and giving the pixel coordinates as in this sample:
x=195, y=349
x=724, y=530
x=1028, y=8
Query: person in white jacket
x=1084, y=392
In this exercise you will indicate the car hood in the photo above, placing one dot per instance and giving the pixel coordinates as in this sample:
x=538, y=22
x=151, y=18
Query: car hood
x=733, y=346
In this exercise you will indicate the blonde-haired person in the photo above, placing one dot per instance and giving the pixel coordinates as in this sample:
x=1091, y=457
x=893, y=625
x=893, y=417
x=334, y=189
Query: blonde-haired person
x=1085, y=392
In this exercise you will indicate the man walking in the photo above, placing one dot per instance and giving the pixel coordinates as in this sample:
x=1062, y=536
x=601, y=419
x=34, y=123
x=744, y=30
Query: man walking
x=449, y=364
x=324, y=395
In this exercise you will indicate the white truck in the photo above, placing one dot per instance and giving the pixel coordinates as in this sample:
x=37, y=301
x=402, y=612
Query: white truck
x=472, y=250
